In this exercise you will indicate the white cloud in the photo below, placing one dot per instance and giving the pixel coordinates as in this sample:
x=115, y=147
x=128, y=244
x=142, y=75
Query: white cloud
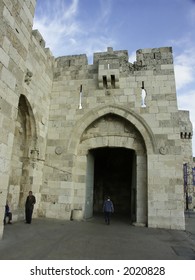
x=183, y=75
x=72, y=11
x=185, y=68
x=58, y=24
x=106, y=9
x=65, y=34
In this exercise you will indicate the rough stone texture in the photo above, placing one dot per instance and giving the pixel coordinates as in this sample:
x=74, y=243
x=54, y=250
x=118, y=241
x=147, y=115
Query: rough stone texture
x=55, y=112
x=25, y=87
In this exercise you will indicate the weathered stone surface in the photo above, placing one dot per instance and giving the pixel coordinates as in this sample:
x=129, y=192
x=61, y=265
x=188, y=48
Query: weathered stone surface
x=60, y=118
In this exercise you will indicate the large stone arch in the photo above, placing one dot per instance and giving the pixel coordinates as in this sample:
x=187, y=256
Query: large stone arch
x=24, y=156
x=135, y=135
x=121, y=111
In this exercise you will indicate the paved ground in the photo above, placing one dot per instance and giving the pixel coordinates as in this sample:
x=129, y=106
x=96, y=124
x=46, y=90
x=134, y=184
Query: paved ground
x=47, y=239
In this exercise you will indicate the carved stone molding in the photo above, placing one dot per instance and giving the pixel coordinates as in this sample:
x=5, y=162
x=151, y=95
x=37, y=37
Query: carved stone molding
x=58, y=150
x=163, y=150
x=109, y=125
x=28, y=77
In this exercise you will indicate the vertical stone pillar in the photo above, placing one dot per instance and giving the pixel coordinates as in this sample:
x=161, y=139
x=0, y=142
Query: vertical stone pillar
x=141, y=193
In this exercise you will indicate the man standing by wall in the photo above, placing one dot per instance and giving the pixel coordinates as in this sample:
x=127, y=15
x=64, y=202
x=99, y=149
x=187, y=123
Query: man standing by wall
x=29, y=206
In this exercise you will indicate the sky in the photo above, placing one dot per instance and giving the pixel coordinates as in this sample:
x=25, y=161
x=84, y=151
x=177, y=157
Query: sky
x=72, y=27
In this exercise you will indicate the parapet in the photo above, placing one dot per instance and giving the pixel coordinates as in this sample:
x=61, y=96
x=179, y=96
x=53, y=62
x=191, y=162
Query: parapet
x=41, y=42
x=71, y=60
x=110, y=54
x=38, y=37
x=153, y=57
x=186, y=129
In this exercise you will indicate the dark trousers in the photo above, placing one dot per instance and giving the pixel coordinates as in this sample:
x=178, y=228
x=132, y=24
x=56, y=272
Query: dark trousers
x=9, y=215
x=28, y=212
x=107, y=217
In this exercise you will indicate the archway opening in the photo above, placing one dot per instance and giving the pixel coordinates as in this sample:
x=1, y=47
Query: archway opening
x=115, y=175
x=21, y=179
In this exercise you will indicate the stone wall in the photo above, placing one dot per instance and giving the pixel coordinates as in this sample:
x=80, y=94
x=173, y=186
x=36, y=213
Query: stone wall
x=143, y=93
x=25, y=73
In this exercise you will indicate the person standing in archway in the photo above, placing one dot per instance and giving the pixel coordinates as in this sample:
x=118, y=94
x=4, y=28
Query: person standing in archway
x=108, y=208
x=29, y=206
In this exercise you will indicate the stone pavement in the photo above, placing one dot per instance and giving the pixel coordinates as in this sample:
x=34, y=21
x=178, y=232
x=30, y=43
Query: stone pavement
x=47, y=239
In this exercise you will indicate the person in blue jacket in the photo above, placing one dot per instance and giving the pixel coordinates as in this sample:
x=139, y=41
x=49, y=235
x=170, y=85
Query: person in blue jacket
x=7, y=214
x=108, y=208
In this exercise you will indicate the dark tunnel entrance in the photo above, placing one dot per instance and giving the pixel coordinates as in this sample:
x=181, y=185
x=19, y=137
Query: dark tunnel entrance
x=114, y=175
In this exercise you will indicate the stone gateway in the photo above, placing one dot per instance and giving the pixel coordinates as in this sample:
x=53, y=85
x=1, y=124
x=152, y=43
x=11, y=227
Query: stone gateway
x=73, y=132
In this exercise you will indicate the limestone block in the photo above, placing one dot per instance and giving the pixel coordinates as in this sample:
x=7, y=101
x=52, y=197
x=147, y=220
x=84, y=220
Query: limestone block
x=3, y=197
x=130, y=93
x=4, y=181
x=66, y=192
x=3, y=150
x=4, y=165
x=64, y=199
x=123, y=99
x=159, y=222
x=177, y=213
x=165, y=89
x=167, y=67
x=4, y=58
x=8, y=78
x=163, y=103
x=23, y=34
x=24, y=16
x=28, y=12
x=163, y=213
x=8, y=17
x=172, y=108
x=52, y=135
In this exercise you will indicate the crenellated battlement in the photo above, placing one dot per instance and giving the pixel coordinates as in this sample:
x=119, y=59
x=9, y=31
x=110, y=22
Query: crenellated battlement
x=186, y=129
x=155, y=56
x=110, y=55
x=37, y=35
x=153, y=59
x=64, y=62
x=41, y=42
